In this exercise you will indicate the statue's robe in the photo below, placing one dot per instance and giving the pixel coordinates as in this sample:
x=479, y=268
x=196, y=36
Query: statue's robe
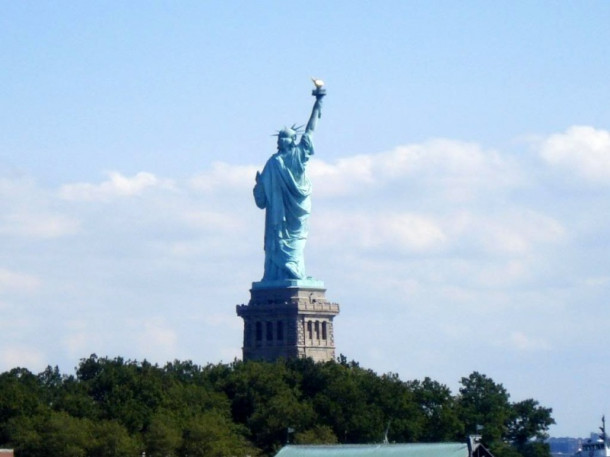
x=284, y=190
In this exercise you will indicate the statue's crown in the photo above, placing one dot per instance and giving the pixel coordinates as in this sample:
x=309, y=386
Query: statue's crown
x=289, y=131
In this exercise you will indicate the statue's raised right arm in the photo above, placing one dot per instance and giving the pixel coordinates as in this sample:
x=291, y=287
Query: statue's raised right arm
x=316, y=112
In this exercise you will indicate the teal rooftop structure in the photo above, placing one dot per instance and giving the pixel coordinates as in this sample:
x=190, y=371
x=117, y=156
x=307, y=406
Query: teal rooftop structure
x=471, y=449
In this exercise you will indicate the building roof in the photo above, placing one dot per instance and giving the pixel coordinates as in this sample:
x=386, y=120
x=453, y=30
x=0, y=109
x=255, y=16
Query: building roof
x=377, y=450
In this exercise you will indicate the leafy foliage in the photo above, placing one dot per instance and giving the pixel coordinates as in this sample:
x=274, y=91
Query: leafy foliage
x=117, y=407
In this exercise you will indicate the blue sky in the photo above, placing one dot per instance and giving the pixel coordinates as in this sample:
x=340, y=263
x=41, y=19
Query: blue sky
x=461, y=183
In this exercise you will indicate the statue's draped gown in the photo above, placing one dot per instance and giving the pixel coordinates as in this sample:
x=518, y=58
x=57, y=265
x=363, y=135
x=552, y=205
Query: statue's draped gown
x=284, y=190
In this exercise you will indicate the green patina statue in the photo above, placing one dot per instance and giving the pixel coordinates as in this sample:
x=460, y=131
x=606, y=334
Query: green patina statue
x=283, y=189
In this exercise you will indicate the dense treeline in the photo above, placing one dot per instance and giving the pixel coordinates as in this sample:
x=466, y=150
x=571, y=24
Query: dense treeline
x=113, y=407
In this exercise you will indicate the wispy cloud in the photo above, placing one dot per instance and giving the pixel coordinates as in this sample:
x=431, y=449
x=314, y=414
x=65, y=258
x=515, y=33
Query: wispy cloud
x=15, y=281
x=34, y=224
x=523, y=342
x=223, y=176
x=156, y=336
x=117, y=185
x=16, y=355
x=30, y=211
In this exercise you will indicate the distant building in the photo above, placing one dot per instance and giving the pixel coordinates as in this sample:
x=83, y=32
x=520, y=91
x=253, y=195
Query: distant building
x=6, y=453
x=471, y=449
x=562, y=447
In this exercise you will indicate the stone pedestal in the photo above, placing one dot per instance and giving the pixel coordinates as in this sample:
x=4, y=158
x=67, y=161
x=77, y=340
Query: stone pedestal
x=288, y=322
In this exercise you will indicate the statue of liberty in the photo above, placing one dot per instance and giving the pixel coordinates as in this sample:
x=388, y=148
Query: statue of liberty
x=283, y=189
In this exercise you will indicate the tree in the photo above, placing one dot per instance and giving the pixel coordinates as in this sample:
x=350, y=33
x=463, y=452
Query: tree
x=483, y=403
x=22, y=434
x=437, y=411
x=53, y=434
x=319, y=434
x=111, y=439
x=528, y=421
x=507, y=428
x=21, y=394
x=113, y=407
x=345, y=404
x=210, y=435
x=265, y=397
x=163, y=437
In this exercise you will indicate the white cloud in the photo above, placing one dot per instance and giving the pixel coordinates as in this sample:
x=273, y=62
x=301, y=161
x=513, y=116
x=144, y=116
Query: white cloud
x=12, y=356
x=520, y=341
x=223, y=176
x=457, y=169
x=155, y=336
x=599, y=281
x=580, y=149
x=379, y=231
x=494, y=233
x=437, y=156
x=221, y=320
x=31, y=212
x=116, y=186
x=343, y=177
x=78, y=338
x=34, y=224
x=212, y=220
x=502, y=274
x=12, y=281
x=228, y=354
x=517, y=231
